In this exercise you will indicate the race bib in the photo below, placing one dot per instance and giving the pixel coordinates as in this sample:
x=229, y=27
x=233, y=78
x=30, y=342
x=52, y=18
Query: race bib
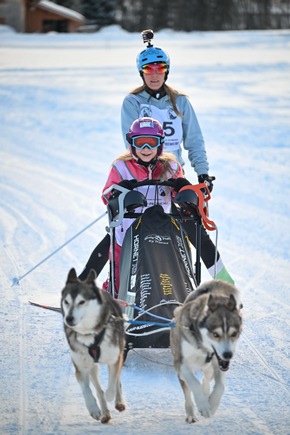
x=171, y=123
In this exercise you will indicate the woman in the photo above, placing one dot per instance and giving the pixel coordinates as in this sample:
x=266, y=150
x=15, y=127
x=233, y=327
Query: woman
x=145, y=160
x=173, y=110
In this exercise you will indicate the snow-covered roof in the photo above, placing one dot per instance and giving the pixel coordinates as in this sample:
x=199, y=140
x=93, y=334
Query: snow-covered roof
x=60, y=10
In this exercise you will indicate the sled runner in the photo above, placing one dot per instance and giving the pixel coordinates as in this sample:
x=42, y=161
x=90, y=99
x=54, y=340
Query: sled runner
x=156, y=267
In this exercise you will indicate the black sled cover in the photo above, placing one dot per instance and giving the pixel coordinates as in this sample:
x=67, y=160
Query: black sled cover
x=155, y=268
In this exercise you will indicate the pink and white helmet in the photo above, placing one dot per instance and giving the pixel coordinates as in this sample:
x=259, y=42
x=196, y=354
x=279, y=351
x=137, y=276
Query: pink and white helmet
x=146, y=127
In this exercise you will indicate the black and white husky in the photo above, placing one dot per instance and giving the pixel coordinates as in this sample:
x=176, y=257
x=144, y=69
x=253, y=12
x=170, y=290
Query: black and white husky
x=207, y=329
x=94, y=330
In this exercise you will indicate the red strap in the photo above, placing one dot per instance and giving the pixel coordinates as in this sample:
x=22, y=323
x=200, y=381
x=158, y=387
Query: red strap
x=203, y=197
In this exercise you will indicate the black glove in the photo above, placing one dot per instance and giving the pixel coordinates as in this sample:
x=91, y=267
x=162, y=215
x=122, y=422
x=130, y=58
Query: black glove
x=179, y=183
x=207, y=179
x=128, y=184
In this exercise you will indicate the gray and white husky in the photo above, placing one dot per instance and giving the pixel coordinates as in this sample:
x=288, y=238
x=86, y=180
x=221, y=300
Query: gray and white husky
x=207, y=329
x=94, y=330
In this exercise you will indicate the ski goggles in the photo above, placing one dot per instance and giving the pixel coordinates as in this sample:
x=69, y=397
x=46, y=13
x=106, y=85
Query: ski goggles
x=158, y=68
x=140, y=142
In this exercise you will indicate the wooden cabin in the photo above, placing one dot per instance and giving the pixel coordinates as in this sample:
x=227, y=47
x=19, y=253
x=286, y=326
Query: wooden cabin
x=39, y=16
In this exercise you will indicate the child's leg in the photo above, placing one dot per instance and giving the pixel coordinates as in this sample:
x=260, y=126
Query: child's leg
x=117, y=255
x=98, y=258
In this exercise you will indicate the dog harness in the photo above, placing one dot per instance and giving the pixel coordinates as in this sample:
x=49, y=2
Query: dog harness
x=94, y=349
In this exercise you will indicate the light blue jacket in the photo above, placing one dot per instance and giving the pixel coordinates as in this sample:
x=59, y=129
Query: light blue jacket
x=178, y=130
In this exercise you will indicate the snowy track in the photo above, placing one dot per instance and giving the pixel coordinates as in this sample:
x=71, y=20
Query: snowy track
x=60, y=98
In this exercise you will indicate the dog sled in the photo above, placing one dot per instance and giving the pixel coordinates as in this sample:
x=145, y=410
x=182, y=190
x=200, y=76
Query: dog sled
x=157, y=268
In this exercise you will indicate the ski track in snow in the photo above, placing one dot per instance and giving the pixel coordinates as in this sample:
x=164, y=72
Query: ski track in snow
x=60, y=99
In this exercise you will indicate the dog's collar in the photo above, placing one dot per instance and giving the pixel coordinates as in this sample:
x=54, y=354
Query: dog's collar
x=94, y=349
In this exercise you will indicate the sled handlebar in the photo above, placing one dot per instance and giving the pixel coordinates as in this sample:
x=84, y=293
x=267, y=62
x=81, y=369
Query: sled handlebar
x=154, y=183
x=201, y=191
x=139, y=184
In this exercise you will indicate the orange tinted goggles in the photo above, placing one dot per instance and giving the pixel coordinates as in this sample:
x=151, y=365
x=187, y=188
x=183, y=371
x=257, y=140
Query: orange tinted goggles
x=140, y=142
x=159, y=68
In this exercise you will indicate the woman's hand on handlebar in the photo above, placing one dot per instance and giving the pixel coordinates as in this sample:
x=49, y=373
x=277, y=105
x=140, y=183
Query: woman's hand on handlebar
x=180, y=182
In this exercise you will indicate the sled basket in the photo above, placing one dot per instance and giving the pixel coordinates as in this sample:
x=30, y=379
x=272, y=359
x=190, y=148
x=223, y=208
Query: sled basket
x=156, y=276
x=156, y=269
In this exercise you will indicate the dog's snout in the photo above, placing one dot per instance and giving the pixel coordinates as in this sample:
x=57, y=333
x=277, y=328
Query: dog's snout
x=69, y=320
x=227, y=355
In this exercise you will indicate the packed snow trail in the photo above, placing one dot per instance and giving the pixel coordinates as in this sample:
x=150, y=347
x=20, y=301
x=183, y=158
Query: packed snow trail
x=60, y=99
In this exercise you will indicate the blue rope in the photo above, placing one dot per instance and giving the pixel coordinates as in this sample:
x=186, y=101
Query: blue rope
x=149, y=314
x=171, y=324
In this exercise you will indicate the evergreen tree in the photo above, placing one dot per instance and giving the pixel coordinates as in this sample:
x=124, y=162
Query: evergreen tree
x=101, y=12
x=71, y=4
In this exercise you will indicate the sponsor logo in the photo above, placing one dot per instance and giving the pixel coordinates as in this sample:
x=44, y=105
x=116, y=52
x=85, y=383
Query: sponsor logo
x=183, y=255
x=171, y=113
x=145, y=112
x=145, y=289
x=135, y=254
x=140, y=327
x=156, y=238
x=165, y=283
x=146, y=124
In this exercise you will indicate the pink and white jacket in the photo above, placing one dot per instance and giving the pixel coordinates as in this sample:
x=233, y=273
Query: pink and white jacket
x=130, y=169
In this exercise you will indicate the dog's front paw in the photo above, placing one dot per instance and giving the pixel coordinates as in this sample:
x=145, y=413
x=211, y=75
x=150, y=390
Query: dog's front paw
x=106, y=417
x=120, y=406
x=191, y=419
x=203, y=407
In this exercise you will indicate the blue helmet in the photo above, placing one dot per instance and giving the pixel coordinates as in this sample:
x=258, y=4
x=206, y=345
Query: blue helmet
x=152, y=55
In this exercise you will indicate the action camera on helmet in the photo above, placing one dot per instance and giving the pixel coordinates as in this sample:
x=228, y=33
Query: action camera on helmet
x=147, y=35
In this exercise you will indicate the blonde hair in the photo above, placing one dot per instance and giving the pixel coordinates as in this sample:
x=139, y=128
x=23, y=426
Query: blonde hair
x=165, y=159
x=171, y=92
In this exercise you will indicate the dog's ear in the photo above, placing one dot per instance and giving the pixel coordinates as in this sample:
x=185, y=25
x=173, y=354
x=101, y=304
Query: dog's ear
x=91, y=277
x=212, y=303
x=232, y=304
x=72, y=276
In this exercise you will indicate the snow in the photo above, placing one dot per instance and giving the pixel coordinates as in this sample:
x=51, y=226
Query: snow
x=60, y=99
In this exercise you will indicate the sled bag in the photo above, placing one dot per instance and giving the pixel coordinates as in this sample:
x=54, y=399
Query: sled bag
x=155, y=269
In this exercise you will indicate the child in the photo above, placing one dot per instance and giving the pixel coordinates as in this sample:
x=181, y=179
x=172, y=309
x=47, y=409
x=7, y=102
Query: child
x=145, y=160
